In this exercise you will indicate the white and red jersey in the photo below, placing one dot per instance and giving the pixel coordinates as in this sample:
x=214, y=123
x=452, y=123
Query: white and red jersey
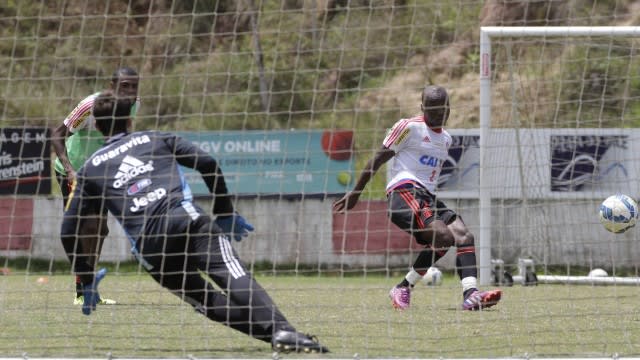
x=85, y=139
x=81, y=117
x=420, y=153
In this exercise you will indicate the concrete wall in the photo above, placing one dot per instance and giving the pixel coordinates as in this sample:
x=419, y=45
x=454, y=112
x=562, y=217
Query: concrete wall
x=306, y=232
x=286, y=232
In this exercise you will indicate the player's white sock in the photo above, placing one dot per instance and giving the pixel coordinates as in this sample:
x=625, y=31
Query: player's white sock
x=413, y=277
x=469, y=283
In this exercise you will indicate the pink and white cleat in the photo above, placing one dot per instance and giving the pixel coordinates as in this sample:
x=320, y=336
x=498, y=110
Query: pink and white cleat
x=400, y=297
x=479, y=300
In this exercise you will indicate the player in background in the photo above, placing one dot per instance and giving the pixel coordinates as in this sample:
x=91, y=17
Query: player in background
x=137, y=177
x=419, y=147
x=74, y=140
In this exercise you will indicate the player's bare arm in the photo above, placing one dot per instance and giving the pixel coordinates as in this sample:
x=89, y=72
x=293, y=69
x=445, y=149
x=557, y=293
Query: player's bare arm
x=60, y=134
x=350, y=199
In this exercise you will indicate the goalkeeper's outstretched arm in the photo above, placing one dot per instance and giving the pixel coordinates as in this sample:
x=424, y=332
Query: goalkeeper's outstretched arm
x=228, y=220
x=190, y=156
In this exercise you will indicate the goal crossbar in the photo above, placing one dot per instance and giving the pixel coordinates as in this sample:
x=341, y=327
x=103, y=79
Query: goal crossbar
x=486, y=34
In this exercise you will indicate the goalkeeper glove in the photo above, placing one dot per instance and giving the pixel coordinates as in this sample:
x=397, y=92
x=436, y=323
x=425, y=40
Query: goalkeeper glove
x=90, y=293
x=234, y=225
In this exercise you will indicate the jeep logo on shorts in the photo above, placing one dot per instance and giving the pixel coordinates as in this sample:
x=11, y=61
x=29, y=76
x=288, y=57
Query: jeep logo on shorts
x=141, y=202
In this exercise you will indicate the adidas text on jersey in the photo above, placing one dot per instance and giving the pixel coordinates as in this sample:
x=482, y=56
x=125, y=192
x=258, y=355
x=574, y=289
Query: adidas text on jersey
x=130, y=167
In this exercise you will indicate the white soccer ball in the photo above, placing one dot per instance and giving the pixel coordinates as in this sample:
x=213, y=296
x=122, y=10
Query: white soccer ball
x=433, y=277
x=597, y=272
x=618, y=213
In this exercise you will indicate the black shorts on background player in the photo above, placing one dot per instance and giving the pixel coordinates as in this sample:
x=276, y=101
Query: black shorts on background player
x=403, y=215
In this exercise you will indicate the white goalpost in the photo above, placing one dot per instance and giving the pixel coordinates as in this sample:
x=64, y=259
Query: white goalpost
x=488, y=176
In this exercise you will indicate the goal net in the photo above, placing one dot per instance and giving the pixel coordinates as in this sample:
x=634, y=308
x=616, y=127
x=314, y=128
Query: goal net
x=293, y=97
x=557, y=134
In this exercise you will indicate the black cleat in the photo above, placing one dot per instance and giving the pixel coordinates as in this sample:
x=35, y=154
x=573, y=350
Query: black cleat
x=292, y=341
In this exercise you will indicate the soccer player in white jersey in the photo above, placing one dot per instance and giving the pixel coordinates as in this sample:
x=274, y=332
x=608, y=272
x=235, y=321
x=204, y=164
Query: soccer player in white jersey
x=419, y=147
x=74, y=140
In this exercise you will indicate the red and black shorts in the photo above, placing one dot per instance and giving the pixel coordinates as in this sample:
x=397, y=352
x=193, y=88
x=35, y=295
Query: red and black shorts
x=412, y=209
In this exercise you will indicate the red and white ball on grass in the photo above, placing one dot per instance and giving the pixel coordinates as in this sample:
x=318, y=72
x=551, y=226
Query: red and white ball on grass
x=618, y=213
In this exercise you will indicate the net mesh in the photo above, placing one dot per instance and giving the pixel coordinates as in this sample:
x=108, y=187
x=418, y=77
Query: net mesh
x=293, y=97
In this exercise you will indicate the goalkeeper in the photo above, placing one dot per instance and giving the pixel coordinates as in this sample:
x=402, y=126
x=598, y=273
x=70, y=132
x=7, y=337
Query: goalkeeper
x=137, y=177
x=419, y=147
x=73, y=141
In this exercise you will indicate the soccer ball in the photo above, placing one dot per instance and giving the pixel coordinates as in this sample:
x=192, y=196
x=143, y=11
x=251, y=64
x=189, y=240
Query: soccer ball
x=618, y=213
x=433, y=277
x=597, y=272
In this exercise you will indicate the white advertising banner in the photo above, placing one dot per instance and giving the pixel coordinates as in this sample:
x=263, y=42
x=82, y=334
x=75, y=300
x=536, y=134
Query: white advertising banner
x=543, y=163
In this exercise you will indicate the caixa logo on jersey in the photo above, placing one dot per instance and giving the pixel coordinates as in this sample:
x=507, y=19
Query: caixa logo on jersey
x=142, y=202
x=430, y=161
x=130, y=168
x=581, y=162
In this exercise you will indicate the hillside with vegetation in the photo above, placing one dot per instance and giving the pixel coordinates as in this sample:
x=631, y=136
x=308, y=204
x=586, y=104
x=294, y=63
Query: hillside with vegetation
x=250, y=64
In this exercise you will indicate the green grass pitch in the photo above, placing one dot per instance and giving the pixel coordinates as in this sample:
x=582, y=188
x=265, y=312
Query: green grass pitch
x=351, y=315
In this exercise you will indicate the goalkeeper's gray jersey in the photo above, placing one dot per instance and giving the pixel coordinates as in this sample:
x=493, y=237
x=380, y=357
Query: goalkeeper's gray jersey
x=137, y=178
